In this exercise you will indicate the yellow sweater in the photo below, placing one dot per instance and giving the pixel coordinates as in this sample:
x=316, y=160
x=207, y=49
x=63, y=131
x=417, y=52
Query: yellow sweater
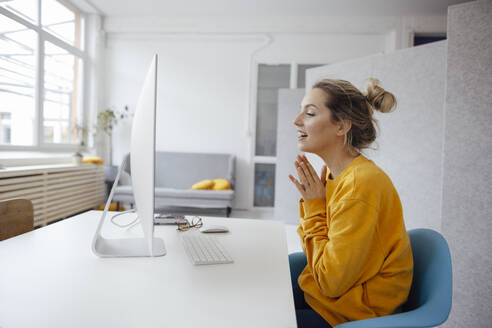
x=360, y=262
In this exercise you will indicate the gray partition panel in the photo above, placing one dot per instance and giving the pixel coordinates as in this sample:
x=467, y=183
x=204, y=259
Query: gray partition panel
x=467, y=173
x=286, y=194
x=409, y=145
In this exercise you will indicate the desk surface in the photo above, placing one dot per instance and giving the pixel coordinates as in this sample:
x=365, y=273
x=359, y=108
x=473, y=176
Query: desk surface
x=50, y=278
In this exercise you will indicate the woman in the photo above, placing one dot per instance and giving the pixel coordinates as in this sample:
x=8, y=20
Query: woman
x=357, y=261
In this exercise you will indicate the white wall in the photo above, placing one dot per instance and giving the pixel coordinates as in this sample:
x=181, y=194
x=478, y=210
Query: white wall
x=207, y=80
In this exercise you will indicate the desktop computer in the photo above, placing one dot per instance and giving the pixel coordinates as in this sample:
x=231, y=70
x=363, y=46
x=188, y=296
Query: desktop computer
x=142, y=161
x=200, y=249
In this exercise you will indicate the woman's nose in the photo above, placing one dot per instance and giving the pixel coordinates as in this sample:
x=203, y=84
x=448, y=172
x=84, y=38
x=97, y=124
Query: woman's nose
x=297, y=121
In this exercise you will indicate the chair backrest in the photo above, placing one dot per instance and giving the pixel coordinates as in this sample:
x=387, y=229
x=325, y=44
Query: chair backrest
x=182, y=170
x=16, y=217
x=432, y=284
x=430, y=298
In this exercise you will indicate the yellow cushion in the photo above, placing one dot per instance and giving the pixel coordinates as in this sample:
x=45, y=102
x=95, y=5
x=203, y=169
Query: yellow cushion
x=221, y=184
x=205, y=184
x=92, y=160
x=112, y=207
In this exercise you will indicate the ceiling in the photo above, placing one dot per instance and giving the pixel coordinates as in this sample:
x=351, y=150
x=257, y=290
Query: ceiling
x=184, y=8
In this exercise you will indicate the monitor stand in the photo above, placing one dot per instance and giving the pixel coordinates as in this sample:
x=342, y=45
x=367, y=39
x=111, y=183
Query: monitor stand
x=124, y=247
x=130, y=247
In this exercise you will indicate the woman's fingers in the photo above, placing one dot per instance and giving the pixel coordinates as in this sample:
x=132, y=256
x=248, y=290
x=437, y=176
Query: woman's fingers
x=305, y=169
x=298, y=185
x=310, y=185
x=300, y=173
x=311, y=169
x=324, y=170
x=302, y=178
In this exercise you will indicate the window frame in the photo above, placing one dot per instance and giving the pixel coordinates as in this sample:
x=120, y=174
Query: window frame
x=38, y=143
x=294, y=69
x=255, y=159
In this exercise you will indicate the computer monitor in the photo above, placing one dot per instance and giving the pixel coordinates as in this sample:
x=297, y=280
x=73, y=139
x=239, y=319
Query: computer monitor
x=142, y=160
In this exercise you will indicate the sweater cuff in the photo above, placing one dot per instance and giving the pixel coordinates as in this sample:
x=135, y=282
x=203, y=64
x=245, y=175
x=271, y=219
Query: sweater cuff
x=314, y=207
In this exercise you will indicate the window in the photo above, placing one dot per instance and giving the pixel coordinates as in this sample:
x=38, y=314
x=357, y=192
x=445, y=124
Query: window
x=271, y=78
x=41, y=74
x=5, y=128
x=301, y=74
x=17, y=79
x=61, y=90
x=264, y=185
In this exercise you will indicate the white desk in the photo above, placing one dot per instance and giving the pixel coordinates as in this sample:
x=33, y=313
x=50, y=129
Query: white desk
x=50, y=278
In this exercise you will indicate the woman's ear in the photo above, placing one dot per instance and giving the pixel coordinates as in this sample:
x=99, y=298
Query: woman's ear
x=344, y=127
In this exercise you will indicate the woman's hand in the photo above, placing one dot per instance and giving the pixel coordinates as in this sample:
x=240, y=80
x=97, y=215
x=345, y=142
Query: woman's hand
x=311, y=186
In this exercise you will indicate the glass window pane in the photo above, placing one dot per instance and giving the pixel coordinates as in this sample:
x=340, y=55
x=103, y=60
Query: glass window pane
x=62, y=20
x=27, y=9
x=17, y=79
x=264, y=185
x=270, y=79
x=5, y=128
x=61, y=110
x=301, y=74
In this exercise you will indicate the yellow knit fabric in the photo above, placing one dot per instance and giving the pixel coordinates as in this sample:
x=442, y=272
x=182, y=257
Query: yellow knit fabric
x=221, y=184
x=360, y=262
x=204, y=184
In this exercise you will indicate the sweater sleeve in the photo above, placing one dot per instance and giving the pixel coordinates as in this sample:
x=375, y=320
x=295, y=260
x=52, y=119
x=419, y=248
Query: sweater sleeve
x=338, y=255
x=309, y=209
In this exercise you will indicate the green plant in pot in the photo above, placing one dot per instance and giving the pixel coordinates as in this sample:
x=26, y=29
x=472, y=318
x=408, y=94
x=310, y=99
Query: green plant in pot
x=106, y=121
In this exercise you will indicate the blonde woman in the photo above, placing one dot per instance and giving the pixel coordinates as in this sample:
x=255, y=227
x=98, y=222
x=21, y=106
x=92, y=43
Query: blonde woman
x=357, y=261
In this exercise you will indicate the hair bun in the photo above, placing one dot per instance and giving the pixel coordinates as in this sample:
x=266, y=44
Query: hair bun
x=380, y=99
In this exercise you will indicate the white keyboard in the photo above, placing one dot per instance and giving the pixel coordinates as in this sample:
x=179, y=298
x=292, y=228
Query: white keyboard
x=203, y=249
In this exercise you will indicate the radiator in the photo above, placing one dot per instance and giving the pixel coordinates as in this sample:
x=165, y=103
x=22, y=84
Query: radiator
x=56, y=191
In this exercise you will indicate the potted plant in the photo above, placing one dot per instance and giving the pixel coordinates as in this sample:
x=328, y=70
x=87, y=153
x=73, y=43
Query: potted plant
x=106, y=121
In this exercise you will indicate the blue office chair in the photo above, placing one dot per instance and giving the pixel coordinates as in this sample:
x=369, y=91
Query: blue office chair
x=429, y=301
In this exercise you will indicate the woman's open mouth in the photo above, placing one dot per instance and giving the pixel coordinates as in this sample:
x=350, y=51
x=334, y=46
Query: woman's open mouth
x=301, y=135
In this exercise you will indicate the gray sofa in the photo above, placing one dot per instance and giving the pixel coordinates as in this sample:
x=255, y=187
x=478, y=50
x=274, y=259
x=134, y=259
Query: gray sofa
x=175, y=173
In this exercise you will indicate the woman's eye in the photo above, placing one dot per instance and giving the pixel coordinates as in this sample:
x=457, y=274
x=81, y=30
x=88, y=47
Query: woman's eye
x=310, y=114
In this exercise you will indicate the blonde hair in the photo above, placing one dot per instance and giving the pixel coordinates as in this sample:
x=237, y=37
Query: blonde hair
x=346, y=102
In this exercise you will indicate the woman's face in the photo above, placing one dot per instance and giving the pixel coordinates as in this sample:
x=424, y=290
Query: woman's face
x=316, y=133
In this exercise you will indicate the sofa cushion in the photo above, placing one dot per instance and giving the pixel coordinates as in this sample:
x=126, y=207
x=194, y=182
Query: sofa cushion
x=179, y=193
x=204, y=184
x=194, y=194
x=221, y=184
